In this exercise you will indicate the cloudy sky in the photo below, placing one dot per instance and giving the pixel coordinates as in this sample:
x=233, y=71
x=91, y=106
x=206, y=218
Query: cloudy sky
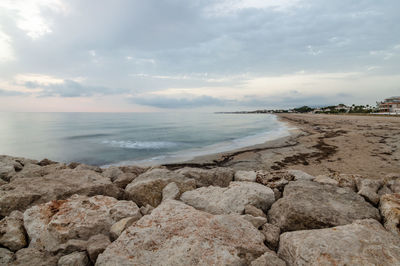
x=156, y=55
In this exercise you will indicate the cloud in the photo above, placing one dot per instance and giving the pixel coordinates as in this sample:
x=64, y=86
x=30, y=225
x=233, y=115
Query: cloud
x=178, y=103
x=10, y=93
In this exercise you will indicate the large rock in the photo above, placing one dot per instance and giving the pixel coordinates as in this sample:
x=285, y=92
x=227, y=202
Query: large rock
x=232, y=199
x=35, y=170
x=54, y=223
x=364, y=242
x=33, y=256
x=177, y=234
x=219, y=176
x=9, y=166
x=147, y=188
x=12, y=233
x=22, y=193
x=368, y=188
x=6, y=256
x=310, y=205
x=390, y=210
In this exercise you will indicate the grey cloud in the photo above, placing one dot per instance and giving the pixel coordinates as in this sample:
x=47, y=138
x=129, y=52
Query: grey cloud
x=177, y=103
x=10, y=93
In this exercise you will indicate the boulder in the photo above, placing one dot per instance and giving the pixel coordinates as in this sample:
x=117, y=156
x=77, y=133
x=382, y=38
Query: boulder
x=249, y=176
x=311, y=205
x=147, y=188
x=390, y=210
x=323, y=179
x=170, y=191
x=368, y=188
x=96, y=245
x=364, y=242
x=177, y=234
x=256, y=221
x=52, y=224
x=219, y=176
x=74, y=259
x=12, y=233
x=33, y=256
x=232, y=199
x=117, y=228
x=268, y=259
x=271, y=233
x=22, y=193
x=6, y=256
x=256, y=212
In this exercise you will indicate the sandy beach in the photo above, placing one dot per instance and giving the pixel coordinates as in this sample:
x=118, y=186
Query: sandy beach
x=321, y=144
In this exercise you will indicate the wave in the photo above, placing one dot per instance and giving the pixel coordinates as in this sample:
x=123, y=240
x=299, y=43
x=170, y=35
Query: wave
x=140, y=145
x=88, y=136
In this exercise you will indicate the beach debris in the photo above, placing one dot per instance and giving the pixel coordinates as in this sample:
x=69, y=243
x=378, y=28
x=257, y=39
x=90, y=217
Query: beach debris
x=147, y=187
x=54, y=223
x=311, y=205
x=232, y=199
x=219, y=176
x=390, y=210
x=177, y=234
x=364, y=242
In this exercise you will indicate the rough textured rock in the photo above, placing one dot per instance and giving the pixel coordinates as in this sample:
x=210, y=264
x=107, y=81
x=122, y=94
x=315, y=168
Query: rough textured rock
x=170, y=191
x=6, y=256
x=368, y=188
x=54, y=223
x=311, y=205
x=271, y=233
x=9, y=167
x=32, y=256
x=364, y=242
x=145, y=210
x=147, y=188
x=89, y=167
x=188, y=237
x=233, y=199
x=112, y=173
x=390, y=210
x=2, y=182
x=249, y=176
x=346, y=180
x=96, y=245
x=268, y=259
x=46, y=162
x=124, y=179
x=117, y=228
x=275, y=179
x=35, y=170
x=74, y=259
x=72, y=245
x=12, y=233
x=256, y=221
x=22, y=193
x=132, y=169
x=300, y=175
x=219, y=176
x=323, y=179
x=256, y=212
x=277, y=193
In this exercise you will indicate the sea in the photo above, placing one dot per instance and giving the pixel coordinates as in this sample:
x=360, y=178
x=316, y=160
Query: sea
x=106, y=139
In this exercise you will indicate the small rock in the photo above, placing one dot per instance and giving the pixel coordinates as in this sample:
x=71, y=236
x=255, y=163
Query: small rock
x=12, y=233
x=170, y=191
x=112, y=173
x=323, y=179
x=117, y=228
x=73, y=165
x=132, y=169
x=3, y=182
x=256, y=221
x=124, y=179
x=249, y=176
x=96, y=245
x=232, y=199
x=71, y=246
x=271, y=233
x=254, y=211
x=300, y=175
x=219, y=176
x=269, y=258
x=46, y=162
x=395, y=186
x=384, y=190
x=368, y=188
x=145, y=210
x=32, y=256
x=346, y=180
x=74, y=259
x=89, y=167
x=277, y=193
x=6, y=256
x=390, y=210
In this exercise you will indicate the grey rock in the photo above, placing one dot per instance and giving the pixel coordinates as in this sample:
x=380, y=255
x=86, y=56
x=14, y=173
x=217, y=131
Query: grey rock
x=249, y=176
x=269, y=258
x=271, y=233
x=96, y=245
x=22, y=193
x=177, y=234
x=323, y=179
x=89, y=167
x=390, y=210
x=364, y=242
x=170, y=191
x=117, y=228
x=53, y=224
x=74, y=259
x=300, y=175
x=35, y=170
x=256, y=221
x=145, y=210
x=32, y=256
x=219, y=176
x=147, y=188
x=112, y=173
x=311, y=205
x=368, y=188
x=6, y=256
x=12, y=233
x=232, y=199
x=256, y=212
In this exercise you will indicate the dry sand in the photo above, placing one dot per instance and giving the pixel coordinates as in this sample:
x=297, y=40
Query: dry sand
x=353, y=144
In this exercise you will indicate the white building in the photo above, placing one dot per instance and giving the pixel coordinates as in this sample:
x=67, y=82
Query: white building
x=390, y=105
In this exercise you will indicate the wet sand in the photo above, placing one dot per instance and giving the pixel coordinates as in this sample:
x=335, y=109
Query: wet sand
x=322, y=144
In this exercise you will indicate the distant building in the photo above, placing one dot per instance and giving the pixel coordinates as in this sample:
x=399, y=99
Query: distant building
x=343, y=107
x=390, y=105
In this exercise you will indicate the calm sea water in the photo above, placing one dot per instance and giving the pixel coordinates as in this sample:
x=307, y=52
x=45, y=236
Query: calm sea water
x=131, y=138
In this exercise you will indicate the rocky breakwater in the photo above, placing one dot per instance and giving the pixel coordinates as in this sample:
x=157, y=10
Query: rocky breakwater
x=57, y=214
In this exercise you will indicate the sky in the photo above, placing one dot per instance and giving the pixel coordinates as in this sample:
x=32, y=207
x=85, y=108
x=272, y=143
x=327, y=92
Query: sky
x=198, y=55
